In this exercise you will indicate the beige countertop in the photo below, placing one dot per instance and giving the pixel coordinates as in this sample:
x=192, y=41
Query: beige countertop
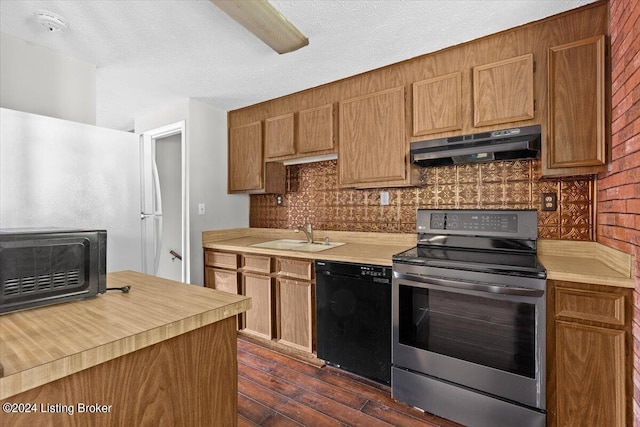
x=43, y=344
x=586, y=262
x=575, y=261
x=365, y=248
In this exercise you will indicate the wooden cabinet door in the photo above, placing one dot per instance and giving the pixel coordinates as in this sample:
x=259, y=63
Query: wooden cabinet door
x=590, y=363
x=315, y=129
x=258, y=318
x=373, y=146
x=278, y=136
x=297, y=309
x=245, y=157
x=577, y=118
x=222, y=280
x=503, y=91
x=437, y=104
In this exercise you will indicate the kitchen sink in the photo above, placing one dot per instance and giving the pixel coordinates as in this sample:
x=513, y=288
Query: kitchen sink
x=297, y=245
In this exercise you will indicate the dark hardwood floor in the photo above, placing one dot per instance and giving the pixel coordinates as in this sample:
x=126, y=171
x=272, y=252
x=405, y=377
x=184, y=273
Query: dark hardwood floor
x=276, y=390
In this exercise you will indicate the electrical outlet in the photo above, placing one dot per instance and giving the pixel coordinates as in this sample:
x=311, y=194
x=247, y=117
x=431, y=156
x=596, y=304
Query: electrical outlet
x=549, y=201
x=200, y=208
x=279, y=199
x=384, y=198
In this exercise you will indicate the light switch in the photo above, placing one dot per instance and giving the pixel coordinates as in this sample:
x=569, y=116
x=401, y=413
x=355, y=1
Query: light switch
x=200, y=208
x=384, y=198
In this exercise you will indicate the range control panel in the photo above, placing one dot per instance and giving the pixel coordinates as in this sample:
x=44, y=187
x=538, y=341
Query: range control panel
x=509, y=223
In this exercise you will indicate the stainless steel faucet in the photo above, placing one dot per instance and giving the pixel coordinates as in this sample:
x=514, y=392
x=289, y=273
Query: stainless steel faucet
x=308, y=231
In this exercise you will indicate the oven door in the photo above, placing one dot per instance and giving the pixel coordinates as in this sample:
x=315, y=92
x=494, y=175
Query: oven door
x=482, y=331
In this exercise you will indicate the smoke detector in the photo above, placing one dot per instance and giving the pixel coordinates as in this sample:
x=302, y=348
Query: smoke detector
x=50, y=21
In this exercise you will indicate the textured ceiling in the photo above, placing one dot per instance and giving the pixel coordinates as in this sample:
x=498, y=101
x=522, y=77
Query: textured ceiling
x=150, y=52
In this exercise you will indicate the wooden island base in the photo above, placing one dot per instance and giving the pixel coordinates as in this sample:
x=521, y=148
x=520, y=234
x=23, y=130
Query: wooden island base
x=188, y=380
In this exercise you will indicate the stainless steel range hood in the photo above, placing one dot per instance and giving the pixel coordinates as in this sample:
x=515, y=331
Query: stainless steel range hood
x=507, y=144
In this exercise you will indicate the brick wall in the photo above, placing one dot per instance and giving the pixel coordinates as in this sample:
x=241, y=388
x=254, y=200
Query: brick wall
x=618, y=207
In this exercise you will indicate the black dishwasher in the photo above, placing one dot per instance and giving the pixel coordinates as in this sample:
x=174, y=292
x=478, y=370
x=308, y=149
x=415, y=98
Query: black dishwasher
x=353, y=307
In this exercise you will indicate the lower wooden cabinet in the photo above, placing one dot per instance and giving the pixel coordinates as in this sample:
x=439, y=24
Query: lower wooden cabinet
x=222, y=280
x=296, y=303
x=588, y=355
x=590, y=375
x=220, y=273
x=282, y=292
x=296, y=312
x=259, y=319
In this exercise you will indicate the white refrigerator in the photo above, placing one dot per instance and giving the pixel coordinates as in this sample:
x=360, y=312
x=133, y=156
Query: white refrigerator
x=151, y=206
x=57, y=173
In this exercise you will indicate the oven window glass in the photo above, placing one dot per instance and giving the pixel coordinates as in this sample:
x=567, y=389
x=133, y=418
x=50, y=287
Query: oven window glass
x=495, y=333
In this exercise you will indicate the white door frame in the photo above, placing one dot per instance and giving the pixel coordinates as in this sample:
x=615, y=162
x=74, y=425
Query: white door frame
x=163, y=132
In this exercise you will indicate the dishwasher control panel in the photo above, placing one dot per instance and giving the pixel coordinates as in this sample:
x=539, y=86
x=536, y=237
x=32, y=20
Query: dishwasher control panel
x=375, y=271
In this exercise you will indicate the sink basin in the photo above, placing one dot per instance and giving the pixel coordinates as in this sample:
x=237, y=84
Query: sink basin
x=296, y=245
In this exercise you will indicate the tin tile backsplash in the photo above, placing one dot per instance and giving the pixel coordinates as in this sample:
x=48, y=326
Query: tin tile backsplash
x=313, y=196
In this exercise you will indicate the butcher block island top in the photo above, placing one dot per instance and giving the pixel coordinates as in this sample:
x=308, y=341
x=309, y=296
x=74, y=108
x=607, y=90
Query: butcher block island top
x=41, y=345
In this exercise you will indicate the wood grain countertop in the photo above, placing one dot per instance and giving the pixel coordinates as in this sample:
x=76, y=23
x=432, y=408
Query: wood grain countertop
x=43, y=344
x=575, y=261
x=364, y=248
x=586, y=262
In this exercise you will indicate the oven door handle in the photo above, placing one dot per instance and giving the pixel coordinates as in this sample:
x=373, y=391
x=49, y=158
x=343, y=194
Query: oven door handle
x=471, y=286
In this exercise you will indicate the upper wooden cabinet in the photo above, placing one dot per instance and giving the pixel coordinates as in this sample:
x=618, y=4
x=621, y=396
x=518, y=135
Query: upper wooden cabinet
x=245, y=157
x=577, y=134
x=503, y=91
x=279, y=136
x=315, y=129
x=373, y=146
x=307, y=132
x=247, y=171
x=551, y=73
x=437, y=104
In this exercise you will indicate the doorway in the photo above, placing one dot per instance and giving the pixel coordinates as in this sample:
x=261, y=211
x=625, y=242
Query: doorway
x=165, y=225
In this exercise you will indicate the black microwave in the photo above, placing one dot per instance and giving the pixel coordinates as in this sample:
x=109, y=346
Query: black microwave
x=49, y=266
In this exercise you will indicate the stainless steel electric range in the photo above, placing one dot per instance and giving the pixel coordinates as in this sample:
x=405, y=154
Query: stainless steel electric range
x=468, y=318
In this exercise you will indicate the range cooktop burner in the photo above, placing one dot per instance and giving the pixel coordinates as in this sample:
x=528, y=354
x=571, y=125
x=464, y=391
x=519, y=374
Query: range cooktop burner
x=486, y=241
x=519, y=264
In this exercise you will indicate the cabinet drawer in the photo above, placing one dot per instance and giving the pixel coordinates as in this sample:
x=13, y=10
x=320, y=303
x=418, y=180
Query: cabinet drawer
x=299, y=269
x=590, y=305
x=256, y=263
x=221, y=259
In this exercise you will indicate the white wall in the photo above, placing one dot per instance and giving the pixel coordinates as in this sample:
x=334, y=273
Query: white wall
x=37, y=80
x=207, y=164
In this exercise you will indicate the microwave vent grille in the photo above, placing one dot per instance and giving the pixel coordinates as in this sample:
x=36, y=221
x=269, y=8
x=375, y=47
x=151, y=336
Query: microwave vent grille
x=42, y=283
